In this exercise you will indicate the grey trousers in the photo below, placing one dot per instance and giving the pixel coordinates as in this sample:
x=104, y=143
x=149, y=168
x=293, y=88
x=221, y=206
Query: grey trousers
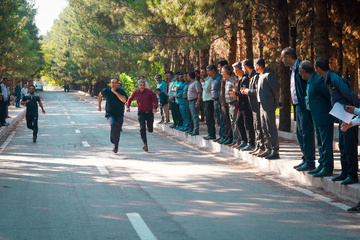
x=268, y=124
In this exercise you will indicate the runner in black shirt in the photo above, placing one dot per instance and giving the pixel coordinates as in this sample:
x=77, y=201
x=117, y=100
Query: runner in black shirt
x=115, y=99
x=31, y=101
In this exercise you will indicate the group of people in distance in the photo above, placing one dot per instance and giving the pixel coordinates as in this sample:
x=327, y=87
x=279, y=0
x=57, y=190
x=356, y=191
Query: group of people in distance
x=242, y=100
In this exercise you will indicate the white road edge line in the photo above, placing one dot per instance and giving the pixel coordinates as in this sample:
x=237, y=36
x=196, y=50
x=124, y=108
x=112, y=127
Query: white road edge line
x=77, y=130
x=85, y=144
x=65, y=112
x=102, y=169
x=140, y=227
x=68, y=116
x=72, y=122
x=3, y=146
x=299, y=189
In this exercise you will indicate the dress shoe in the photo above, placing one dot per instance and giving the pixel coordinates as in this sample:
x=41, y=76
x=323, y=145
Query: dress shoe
x=242, y=145
x=316, y=170
x=264, y=154
x=273, y=156
x=161, y=122
x=248, y=148
x=189, y=131
x=34, y=139
x=350, y=180
x=254, y=150
x=299, y=165
x=115, y=149
x=145, y=148
x=218, y=139
x=227, y=142
x=4, y=124
x=323, y=173
x=355, y=209
x=194, y=133
x=173, y=126
x=222, y=140
x=306, y=167
x=340, y=177
x=235, y=145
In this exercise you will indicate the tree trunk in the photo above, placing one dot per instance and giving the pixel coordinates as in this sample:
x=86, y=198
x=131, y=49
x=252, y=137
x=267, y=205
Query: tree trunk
x=338, y=10
x=204, y=57
x=312, y=37
x=247, y=19
x=233, y=44
x=357, y=87
x=284, y=77
x=322, y=29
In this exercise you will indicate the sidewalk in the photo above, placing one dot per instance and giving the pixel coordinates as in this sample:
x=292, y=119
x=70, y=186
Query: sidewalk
x=16, y=114
x=290, y=155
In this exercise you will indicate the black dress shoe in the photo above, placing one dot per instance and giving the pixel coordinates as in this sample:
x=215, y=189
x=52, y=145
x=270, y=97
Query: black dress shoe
x=4, y=124
x=222, y=140
x=306, y=167
x=299, y=165
x=248, y=148
x=115, y=149
x=218, y=139
x=161, y=122
x=316, y=170
x=265, y=154
x=189, y=131
x=273, y=156
x=173, y=126
x=145, y=148
x=34, y=139
x=227, y=142
x=242, y=145
x=349, y=180
x=194, y=133
x=355, y=209
x=340, y=177
x=322, y=173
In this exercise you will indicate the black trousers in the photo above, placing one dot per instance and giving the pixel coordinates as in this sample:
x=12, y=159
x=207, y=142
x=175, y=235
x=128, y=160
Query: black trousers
x=116, y=123
x=210, y=120
x=227, y=122
x=146, y=119
x=32, y=123
x=2, y=111
x=245, y=126
x=348, y=142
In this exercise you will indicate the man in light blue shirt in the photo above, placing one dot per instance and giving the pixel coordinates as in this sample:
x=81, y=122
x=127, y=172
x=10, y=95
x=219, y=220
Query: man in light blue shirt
x=206, y=81
x=161, y=84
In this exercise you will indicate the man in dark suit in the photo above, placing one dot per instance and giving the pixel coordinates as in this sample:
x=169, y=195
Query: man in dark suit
x=304, y=124
x=319, y=103
x=341, y=92
x=268, y=96
x=248, y=68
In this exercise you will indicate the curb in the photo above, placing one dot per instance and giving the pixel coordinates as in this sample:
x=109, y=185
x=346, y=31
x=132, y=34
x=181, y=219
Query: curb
x=5, y=130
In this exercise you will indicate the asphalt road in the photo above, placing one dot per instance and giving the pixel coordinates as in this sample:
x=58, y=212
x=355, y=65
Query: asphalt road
x=69, y=185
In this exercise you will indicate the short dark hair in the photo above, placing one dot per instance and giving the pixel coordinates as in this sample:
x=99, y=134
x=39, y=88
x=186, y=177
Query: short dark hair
x=197, y=71
x=307, y=66
x=158, y=75
x=171, y=73
x=248, y=63
x=31, y=85
x=260, y=62
x=192, y=75
x=158, y=89
x=223, y=63
x=290, y=52
x=227, y=69
x=211, y=67
x=115, y=79
x=322, y=63
x=203, y=68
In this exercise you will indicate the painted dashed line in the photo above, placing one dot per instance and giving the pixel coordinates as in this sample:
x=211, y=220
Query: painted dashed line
x=102, y=169
x=66, y=112
x=140, y=227
x=68, y=116
x=3, y=146
x=85, y=144
x=72, y=122
x=77, y=131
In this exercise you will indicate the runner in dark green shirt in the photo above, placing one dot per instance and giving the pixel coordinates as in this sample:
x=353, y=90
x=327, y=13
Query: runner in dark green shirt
x=31, y=101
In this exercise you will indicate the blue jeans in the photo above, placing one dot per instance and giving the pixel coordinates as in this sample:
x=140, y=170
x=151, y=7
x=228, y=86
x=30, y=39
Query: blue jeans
x=184, y=115
x=116, y=123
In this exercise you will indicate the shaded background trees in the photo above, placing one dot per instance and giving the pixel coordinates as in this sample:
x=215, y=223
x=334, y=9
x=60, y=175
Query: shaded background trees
x=96, y=39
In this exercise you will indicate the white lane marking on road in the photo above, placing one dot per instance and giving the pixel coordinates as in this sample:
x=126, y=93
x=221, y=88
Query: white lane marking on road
x=102, y=169
x=66, y=112
x=140, y=227
x=77, y=131
x=72, y=122
x=64, y=109
x=3, y=146
x=85, y=144
x=68, y=116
